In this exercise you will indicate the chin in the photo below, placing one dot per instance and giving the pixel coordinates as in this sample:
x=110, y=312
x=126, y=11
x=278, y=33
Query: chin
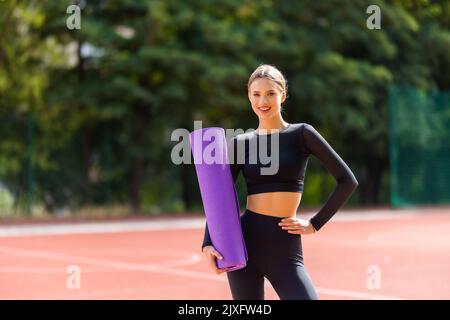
x=268, y=115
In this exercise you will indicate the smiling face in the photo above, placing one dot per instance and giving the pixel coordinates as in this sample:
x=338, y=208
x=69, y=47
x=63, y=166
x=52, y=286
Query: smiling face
x=266, y=97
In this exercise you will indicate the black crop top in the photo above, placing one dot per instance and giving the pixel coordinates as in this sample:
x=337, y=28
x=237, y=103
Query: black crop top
x=296, y=142
x=283, y=173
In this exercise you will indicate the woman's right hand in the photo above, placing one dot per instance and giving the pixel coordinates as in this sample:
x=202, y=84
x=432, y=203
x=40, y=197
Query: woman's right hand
x=211, y=254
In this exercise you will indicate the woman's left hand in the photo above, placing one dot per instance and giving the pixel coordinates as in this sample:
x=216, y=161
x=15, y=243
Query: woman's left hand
x=297, y=226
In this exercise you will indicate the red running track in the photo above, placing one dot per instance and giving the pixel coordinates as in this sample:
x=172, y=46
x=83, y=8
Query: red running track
x=386, y=255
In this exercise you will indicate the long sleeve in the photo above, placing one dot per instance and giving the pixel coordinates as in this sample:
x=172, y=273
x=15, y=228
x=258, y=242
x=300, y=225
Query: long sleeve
x=346, y=182
x=235, y=168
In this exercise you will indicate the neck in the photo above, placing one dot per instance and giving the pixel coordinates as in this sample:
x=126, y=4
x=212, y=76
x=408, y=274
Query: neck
x=272, y=124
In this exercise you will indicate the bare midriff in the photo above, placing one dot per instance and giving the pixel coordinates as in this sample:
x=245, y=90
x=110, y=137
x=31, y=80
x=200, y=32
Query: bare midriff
x=275, y=204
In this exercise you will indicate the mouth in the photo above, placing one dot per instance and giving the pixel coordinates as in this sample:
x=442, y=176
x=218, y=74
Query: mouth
x=264, y=110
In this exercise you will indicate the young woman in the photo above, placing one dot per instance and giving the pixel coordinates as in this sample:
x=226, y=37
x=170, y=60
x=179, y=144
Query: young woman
x=271, y=230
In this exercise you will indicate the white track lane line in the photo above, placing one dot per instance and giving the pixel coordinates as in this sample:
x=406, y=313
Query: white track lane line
x=170, y=224
x=106, y=263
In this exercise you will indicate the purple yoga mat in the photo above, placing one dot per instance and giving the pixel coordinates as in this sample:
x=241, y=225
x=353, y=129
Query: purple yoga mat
x=219, y=197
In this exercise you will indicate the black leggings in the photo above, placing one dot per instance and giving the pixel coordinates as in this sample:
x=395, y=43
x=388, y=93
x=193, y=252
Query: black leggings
x=272, y=253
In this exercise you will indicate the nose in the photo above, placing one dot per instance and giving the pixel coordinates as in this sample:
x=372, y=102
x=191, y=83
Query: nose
x=262, y=100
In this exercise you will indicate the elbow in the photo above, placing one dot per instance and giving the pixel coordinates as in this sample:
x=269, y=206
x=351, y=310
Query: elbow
x=354, y=183
x=349, y=181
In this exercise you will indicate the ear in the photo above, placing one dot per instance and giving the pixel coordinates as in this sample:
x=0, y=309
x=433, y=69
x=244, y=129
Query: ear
x=283, y=97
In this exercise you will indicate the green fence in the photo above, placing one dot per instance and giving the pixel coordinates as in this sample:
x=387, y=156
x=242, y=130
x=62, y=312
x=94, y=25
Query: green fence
x=419, y=126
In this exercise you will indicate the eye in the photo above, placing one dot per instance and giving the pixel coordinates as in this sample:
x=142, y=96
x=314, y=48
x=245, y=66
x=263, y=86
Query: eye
x=255, y=94
x=271, y=94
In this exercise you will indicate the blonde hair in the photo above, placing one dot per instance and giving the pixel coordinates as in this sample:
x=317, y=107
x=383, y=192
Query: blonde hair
x=270, y=72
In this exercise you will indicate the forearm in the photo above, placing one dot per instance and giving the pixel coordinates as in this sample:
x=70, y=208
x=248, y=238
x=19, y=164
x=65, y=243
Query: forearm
x=315, y=144
x=335, y=201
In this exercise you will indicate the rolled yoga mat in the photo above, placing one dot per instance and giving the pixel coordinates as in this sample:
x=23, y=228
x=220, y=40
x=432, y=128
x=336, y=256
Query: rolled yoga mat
x=219, y=197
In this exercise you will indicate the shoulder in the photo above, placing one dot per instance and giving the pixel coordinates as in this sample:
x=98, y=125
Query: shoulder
x=307, y=135
x=302, y=128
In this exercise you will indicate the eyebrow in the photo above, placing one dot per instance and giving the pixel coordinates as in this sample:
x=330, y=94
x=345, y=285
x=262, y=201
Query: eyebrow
x=256, y=91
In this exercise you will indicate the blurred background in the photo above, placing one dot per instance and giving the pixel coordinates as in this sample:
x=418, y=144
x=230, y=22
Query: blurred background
x=87, y=110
